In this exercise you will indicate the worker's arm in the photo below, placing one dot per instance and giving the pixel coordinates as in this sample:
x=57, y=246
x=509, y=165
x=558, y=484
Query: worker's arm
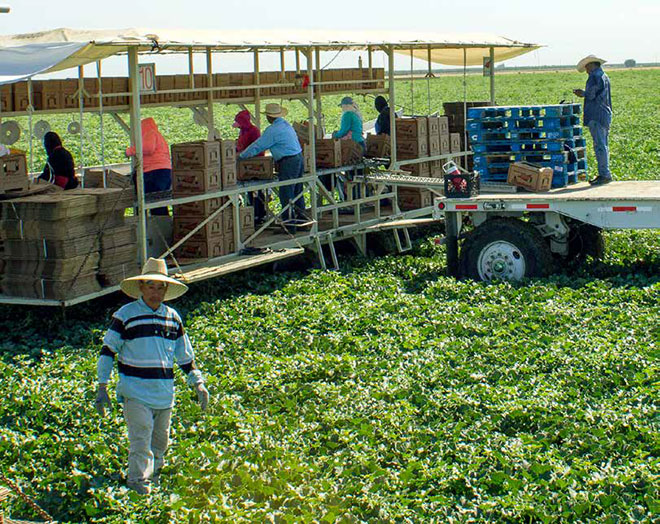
x=184, y=355
x=265, y=141
x=148, y=145
x=345, y=126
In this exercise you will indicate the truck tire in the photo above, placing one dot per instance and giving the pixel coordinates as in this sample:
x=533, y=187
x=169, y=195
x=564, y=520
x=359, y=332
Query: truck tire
x=505, y=249
x=585, y=240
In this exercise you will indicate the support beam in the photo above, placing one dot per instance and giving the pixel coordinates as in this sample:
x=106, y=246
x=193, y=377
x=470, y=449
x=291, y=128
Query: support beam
x=117, y=118
x=451, y=233
x=312, y=139
x=257, y=91
x=209, y=99
x=136, y=141
x=390, y=85
x=319, y=104
x=492, y=76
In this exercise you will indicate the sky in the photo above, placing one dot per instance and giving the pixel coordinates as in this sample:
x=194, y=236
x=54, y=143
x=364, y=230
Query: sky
x=614, y=30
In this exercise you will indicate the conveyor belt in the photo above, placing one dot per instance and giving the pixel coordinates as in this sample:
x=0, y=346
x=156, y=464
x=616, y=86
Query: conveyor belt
x=405, y=180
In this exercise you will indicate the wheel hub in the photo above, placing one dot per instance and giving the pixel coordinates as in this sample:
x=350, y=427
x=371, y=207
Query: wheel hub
x=501, y=260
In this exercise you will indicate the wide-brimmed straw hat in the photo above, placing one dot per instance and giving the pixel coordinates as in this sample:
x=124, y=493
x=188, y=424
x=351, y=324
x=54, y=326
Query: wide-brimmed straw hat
x=582, y=64
x=153, y=269
x=275, y=110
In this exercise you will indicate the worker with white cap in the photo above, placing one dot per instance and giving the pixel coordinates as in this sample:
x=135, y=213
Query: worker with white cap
x=597, y=113
x=147, y=337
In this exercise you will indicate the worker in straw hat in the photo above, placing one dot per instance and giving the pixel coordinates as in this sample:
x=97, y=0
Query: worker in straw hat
x=597, y=113
x=147, y=336
x=281, y=139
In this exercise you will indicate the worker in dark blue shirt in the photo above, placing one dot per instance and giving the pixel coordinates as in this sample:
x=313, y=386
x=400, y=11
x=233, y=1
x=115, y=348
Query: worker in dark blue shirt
x=283, y=143
x=597, y=113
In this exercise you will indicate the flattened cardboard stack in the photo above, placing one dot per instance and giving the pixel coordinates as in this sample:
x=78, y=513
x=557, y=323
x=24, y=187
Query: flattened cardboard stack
x=53, y=242
x=199, y=168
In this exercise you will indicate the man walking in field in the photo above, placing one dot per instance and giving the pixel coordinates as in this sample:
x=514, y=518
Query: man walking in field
x=147, y=336
x=597, y=113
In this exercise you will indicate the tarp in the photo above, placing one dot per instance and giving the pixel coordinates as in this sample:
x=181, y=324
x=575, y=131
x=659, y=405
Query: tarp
x=67, y=48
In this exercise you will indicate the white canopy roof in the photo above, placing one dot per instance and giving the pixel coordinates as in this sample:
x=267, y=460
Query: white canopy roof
x=25, y=55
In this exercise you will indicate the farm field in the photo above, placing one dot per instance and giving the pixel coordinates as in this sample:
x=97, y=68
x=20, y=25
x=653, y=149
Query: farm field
x=385, y=392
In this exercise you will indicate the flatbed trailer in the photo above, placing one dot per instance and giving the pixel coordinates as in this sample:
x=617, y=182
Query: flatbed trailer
x=518, y=235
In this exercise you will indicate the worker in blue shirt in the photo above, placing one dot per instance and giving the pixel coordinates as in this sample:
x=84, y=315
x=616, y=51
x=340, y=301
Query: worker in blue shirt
x=283, y=143
x=597, y=113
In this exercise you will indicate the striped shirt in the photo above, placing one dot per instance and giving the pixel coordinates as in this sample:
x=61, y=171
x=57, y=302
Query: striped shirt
x=146, y=343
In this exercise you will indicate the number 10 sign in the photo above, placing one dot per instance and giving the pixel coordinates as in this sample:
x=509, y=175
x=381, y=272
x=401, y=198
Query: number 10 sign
x=147, y=74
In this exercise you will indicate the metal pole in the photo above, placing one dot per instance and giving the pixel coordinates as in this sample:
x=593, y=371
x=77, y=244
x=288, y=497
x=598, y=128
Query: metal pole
x=30, y=109
x=81, y=89
x=492, y=76
x=390, y=85
x=191, y=69
x=319, y=103
x=257, y=91
x=136, y=139
x=464, y=158
x=209, y=100
x=429, y=75
x=297, y=61
x=282, y=65
x=412, y=88
x=312, y=138
x=101, y=128
x=451, y=234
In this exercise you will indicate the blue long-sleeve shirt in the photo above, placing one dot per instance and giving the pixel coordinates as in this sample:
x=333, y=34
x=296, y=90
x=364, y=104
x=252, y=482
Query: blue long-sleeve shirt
x=598, y=99
x=350, y=122
x=279, y=137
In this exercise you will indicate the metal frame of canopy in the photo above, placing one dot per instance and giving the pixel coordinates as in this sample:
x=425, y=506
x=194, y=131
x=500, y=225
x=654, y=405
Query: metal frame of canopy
x=337, y=228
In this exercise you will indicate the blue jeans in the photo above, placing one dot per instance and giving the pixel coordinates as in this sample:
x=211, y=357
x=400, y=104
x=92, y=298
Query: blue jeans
x=155, y=181
x=291, y=167
x=601, y=134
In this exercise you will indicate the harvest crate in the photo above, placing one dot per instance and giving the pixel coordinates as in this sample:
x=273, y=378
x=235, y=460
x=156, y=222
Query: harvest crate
x=246, y=217
x=108, y=199
x=195, y=182
x=433, y=126
x=328, y=153
x=113, y=178
x=228, y=175
x=13, y=173
x=445, y=145
x=351, y=152
x=454, y=142
x=412, y=148
x=201, y=249
x=419, y=169
x=69, y=93
x=434, y=145
x=408, y=198
x=184, y=225
x=201, y=208
x=378, y=146
x=120, y=85
x=51, y=94
x=167, y=83
x=196, y=155
x=220, y=80
x=21, y=99
x=411, y=128
x=6, y=98
x=256, y=168
x=529, y=176
x=228, y=245
x=227, y=151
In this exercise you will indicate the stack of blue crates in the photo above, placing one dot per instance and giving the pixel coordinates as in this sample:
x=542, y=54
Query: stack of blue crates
x=548, y=136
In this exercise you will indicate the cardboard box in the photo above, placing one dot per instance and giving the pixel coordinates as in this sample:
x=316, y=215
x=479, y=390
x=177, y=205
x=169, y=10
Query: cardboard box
x=378, y=146
x=229, y=246
x=21, y=100
x=434, y=145
x=433, y=126
x=201, y=208
x=529, y=176
x=351, y=152
x=201, y=82
x=256, y=168
x=307, y=158
x=90, y=92
x=13, y=173
x=51, y=94
x=454, y=142
x=443, y=125
x=6, y=98
x=70, y=93
x=420, y=169
x=408, y=198
x=184, y=225
x=411, y=128
x=407, y=148
x=227, y=151
x=302, y=131
x=228, y=175
x=221, y=80
x=247, y=220
x=195, y=182
x=167, y=83
x=328, y=153
x=120, y=85
x=201, y=249
x=435, y=169
x=196, y=155
x=445, y=146
x=236, y=79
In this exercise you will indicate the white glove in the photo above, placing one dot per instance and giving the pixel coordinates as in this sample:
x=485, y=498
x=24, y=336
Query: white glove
x=202, y=396
x=102, y=399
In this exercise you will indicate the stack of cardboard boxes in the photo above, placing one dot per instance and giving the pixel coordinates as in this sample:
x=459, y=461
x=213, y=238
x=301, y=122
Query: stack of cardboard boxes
x=416, y=137
x=199, y=168
x=54, y=243
x=455, y=112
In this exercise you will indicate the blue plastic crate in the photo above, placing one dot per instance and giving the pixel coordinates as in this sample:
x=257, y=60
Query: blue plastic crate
x=524, y=111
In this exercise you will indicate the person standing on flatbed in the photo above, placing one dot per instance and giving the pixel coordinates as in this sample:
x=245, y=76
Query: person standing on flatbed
x=597, y=113
x=147, y=337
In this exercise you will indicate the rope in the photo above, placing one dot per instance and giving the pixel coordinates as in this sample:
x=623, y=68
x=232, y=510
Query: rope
x=12, y=485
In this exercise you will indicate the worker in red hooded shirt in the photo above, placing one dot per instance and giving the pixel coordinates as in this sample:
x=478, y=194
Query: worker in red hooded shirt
x=156, y=161
x=249, y=133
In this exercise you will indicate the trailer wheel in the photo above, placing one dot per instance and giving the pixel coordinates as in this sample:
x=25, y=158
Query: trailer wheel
x=585, y=240
x=505, y=249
